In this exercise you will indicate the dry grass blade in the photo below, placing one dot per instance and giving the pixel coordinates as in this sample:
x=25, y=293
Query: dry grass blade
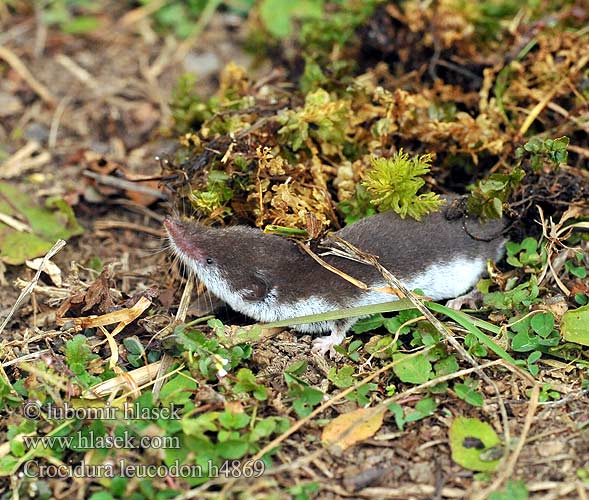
x=554, y=233
x=59, y=244
x=123, y=317
x=347, y=277
x=13, y=60
x=167, y=360
x=132, y=379
x=29, y=157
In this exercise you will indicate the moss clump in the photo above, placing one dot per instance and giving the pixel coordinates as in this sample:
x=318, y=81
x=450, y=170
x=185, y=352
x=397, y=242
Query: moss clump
x=300, y=146
x=394, y=183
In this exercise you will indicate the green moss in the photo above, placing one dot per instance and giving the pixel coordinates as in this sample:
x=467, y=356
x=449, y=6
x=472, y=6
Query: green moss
x=393, y=183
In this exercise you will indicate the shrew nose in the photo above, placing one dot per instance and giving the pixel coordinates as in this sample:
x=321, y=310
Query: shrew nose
x=171, y=224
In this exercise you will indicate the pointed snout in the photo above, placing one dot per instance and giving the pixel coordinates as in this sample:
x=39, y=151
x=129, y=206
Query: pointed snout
x=175, y=229
x=172, y=224
x=181, y=238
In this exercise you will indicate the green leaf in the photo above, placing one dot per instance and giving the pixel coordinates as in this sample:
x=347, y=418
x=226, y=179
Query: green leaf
x=512, y=247
x=578, y=271
x=574, y=326
x=48, y=224
x=529, y=245
x=200, y=425
x=80, y=25
x=531, y=362
x=247, y=383
x=464, y=434
x=8, y=463
x=342, y=378
x=423, y=408
x=368, y=324
x=231, y=420
x=118, y=485
x=363, y=392
x=514, y=490
x=179, y=389
x=523, y=342
x=263, y=428
x=497, y=207
x=78, y=354
x=307, y=398
x=490, y=185
x=534, y=356
x=542, y=323
x=397, y=410
x=277, y=15
x=101, y=495
x=232, y=449
x=412, y=369
x=297, y=368
x=533, y=145
x=446, y=366
x=468, y=394
x=561, y=143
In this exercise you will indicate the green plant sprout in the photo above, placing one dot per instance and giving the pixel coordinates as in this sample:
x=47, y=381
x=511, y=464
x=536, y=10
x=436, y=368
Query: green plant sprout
x=393, y=184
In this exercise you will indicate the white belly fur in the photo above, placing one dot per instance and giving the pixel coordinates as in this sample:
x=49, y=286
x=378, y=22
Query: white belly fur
x=440, y=281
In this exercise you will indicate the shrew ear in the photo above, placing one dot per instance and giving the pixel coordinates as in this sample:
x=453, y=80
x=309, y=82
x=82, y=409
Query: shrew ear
x=258, y=289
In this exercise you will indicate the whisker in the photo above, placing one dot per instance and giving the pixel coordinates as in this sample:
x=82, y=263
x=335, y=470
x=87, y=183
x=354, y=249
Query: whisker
x=210, y=300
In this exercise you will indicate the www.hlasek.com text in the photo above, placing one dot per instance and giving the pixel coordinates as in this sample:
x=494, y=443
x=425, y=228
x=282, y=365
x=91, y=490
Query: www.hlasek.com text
x=92, y=441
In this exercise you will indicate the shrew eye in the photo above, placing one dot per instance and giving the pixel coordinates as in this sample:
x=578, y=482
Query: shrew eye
x=209, y=260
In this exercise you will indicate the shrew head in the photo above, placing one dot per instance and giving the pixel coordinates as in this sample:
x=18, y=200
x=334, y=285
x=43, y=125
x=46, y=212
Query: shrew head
x=232, y=261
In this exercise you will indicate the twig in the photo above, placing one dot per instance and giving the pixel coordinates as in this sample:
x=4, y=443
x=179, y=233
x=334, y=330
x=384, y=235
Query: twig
x=55, y=121
x=23, y=160
x=117, y=182
x=16, y=64
x=136, y=15
x=15, y=224
x=120, y=224
x=26, y=357
x=77, y=71
x=31, y=286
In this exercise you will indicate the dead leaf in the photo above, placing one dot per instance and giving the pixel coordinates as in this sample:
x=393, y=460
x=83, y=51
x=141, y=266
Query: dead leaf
x=556, y=305
x=50, y=269
x=123, y=317
x=98, y=293
x=351, y=428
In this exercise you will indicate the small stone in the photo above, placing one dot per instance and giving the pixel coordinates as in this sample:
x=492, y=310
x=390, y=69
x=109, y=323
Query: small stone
x=9, y=104
x=36, y=132
x=202, y=65
x=550, y=448
x=421, y=472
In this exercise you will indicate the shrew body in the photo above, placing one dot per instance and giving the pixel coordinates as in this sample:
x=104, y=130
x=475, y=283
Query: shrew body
x=269, y=278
